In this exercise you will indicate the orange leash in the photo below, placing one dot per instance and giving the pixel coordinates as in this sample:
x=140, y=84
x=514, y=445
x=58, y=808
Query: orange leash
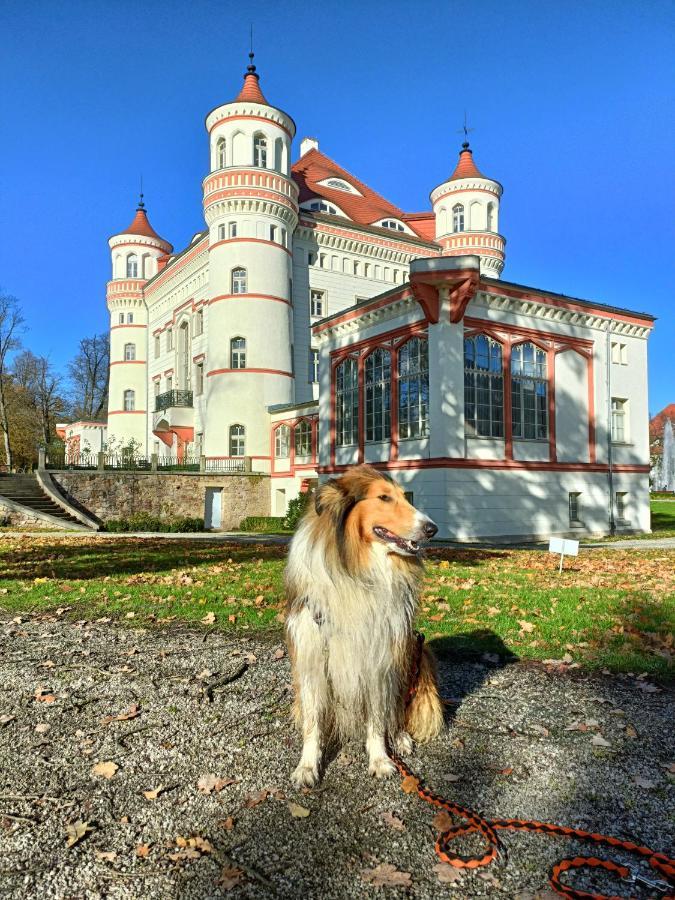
x=475, y=823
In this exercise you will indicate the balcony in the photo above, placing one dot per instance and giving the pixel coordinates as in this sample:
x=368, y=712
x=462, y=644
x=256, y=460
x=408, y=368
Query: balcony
x=171, y=399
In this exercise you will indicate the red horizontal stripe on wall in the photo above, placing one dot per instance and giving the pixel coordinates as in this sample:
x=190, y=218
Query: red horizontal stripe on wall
x=249, y=297
x=127, y=412
x=113, y=327
x=128, y=362
x=250, y=240
x=249, y=370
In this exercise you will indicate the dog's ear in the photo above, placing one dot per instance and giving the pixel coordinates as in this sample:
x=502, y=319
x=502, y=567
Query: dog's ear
x=333, y=499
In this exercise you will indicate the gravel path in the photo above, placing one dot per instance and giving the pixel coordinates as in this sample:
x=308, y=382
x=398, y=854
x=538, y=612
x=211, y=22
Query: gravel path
x=182, y=712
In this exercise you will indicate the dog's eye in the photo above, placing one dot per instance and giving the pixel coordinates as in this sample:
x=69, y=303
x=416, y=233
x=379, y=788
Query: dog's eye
x=385, y=498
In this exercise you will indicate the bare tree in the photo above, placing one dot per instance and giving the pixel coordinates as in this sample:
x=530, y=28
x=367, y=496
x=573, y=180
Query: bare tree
x=11, y=326
x=42, y=386
x=88, y=374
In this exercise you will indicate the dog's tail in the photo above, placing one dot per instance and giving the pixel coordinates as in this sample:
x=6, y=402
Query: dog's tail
x=424, y=715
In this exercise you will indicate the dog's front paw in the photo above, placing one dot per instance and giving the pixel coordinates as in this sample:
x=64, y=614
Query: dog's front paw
x=305, y=776
x=403, y=743
x=381, y=767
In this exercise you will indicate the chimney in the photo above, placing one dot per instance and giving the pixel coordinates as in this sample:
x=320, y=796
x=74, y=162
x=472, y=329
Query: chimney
x=308, y=144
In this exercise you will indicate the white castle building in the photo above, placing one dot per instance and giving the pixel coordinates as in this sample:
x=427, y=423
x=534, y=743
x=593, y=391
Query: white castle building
x=313, y=324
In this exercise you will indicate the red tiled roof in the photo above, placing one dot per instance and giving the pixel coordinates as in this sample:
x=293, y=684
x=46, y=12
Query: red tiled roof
x=423, y=223
x=142, y=226
x=314, y=166
x=466, y=167
x=251, y=90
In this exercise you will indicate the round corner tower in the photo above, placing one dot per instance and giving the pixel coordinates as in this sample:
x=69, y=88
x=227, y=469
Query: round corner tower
x=251, y=210
x=135, y=252
x=467, y=215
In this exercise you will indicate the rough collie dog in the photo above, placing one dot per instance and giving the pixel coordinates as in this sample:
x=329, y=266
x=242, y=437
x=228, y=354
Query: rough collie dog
x=352, y=583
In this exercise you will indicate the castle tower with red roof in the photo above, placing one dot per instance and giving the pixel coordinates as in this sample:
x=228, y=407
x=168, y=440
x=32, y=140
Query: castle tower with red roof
x=467, y=215
x=251, y=210
x=137, y=252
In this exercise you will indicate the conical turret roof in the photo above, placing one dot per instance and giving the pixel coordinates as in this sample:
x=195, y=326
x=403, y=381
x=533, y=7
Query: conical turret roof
x=141, y=225
x=466, y=167
x=251, y=88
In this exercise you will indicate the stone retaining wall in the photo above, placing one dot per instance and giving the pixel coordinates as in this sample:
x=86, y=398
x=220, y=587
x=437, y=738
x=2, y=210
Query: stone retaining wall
x=118, y=495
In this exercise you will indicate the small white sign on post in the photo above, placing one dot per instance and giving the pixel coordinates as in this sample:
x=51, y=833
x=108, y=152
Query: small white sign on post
x=564, y=547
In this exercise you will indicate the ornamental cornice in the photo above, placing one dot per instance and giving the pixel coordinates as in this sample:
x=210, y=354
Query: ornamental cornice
x=236, y=176
x=461, y=185
x=241, y=109
x=556, y=314
x=192, y=259
x=368, y=317
x=334, y=240
x=251, y=205
x=139, y=240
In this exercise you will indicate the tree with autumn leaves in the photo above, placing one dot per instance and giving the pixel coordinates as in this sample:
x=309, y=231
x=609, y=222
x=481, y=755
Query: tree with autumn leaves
x=33, y=395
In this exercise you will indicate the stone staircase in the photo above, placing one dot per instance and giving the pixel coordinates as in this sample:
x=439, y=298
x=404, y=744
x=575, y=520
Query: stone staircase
x=25, y=490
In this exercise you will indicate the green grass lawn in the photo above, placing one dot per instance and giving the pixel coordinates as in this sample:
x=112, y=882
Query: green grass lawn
x=609, y=609
x=663, y=517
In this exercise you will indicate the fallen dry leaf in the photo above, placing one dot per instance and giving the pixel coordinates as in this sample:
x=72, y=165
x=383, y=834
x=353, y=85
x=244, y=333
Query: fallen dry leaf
x=631, y=732
x=104, y=769
x=410, y=784
x=598, y=741
x=209, y=619
x=230, y=877
x=133, y=711
x=540, y=729
x=447, y=874
x=279, y=653
x=107, y=855
x=386, y=875
x=526, y=626
x=143, y=851
x=255, y=799
x=297, y=811
x=442, y=821
x=44, y=695
x=392, y=821
x=227, y=824
x=42, y=728
x=209, y=783
x=75, y=831
x=5, y=719
x=154, y=793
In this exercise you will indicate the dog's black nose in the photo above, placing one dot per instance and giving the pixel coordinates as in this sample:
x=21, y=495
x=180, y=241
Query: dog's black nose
x=430, y=529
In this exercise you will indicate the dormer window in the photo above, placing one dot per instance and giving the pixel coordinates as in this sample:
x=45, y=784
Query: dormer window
x=322, y=206
x=393, y=224
x=339, y=184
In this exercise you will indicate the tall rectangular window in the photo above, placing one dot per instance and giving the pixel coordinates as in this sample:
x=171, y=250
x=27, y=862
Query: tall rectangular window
x=413, y=389
x=621, y=506
x=483, y=387
x=199, y=322
x=199, y=378
x=238, y=353
x=619, y=429
x=317, y=303
x=346, y=403
x=273, y=232
x=377, y=394
x=169, y=338
x=574, y=499
x=129, y=401
x=313, y=366
x=529, y=392
x=169, y=382
x=157, y=347
x=282, y=442
x=233, y=229
x=221, y=232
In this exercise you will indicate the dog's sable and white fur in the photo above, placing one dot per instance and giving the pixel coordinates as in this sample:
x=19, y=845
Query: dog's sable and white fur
x=352, y=583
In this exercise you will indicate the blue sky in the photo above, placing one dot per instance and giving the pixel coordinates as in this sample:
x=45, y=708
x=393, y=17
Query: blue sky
x=571, y=104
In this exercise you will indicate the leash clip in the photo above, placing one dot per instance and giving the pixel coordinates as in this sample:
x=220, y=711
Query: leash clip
x=654, y=884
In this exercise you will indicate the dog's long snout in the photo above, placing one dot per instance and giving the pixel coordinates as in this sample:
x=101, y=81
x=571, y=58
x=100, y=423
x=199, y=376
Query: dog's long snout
x=429, y=528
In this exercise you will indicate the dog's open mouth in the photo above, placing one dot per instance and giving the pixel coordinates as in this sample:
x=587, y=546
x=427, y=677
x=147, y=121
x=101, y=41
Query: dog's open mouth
x=390, y=538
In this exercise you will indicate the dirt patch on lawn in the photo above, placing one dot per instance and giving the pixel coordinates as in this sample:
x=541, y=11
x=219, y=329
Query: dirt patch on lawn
x=163, y=758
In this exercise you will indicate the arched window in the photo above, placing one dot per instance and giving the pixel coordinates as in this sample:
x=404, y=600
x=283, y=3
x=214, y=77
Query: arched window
x=458, y=217
x=238, y=353
x=529, y=392
x=303, y=438
x=413, y=389
x=221, y=153
x=282, y=442
x=490, y=220
x=237, y=440
x=378, y=395
x=132, y=266
x=346, y=403
x=238, y=281
x=129, y=401
x=260, y=151
x=129, y=352
x=184, y=355
x=483, y=387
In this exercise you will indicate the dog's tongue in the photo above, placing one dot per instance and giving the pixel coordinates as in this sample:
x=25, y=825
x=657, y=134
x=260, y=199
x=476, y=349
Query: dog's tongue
x=391, y=538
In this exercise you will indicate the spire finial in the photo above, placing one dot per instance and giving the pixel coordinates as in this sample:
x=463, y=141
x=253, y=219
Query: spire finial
x=251, y=66
x=465, y=131
x=141, y=205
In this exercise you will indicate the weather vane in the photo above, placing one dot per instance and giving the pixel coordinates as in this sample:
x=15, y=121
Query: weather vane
x=251, y=54
x=465, y=130
x=140, y=202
